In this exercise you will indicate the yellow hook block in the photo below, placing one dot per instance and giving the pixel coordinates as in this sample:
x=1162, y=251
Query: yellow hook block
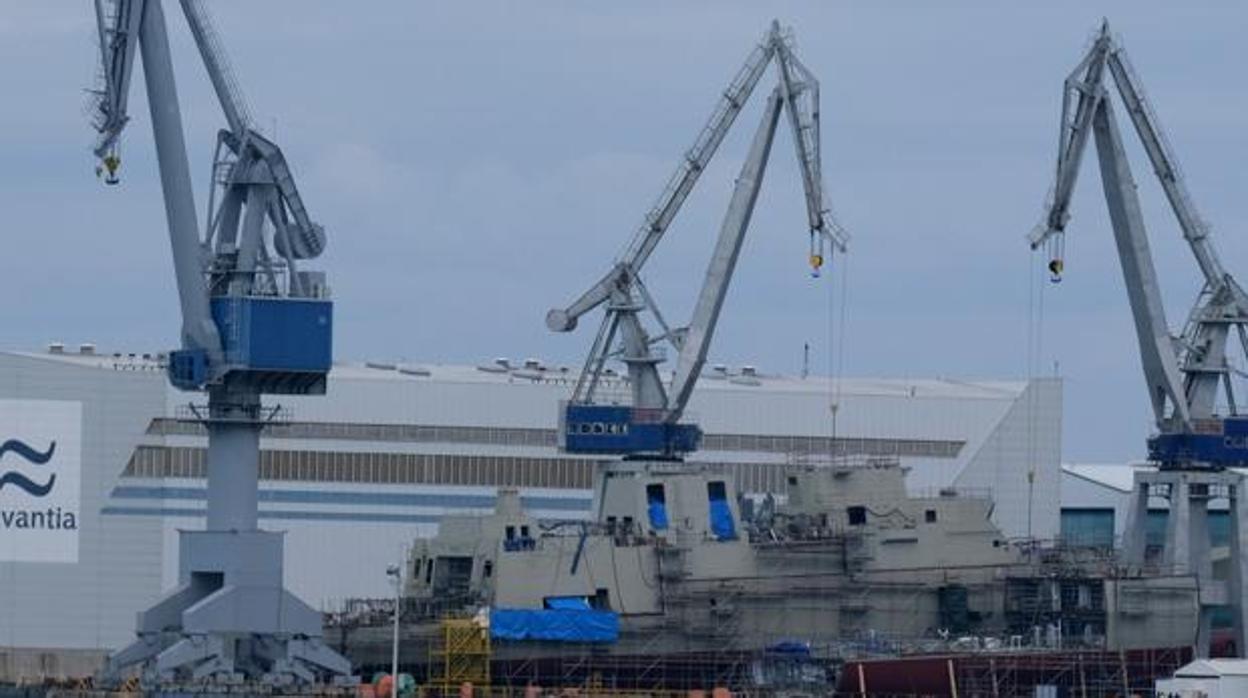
x=1055, y=270
x=112, y=162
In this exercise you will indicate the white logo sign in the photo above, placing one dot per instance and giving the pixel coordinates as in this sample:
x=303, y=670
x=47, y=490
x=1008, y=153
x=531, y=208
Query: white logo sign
x=40, y=480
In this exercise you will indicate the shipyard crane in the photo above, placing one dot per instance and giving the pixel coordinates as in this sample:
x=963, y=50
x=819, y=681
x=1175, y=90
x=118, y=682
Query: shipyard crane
x=649, y=425
x=1184, y=373
x=1196, y=446
x=253, y=323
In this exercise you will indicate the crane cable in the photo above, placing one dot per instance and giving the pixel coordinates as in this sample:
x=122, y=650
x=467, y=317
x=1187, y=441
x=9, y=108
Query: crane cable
x=836, y=348
x=1035, y=350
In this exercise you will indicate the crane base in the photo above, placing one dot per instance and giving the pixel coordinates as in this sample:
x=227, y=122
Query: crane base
x=1186, y=548
x=229, y=619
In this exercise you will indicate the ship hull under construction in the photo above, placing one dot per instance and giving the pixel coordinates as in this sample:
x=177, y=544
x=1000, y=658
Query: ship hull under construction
x=849, y=566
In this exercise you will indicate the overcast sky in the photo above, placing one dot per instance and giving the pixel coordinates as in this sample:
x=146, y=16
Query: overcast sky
x=477, y=163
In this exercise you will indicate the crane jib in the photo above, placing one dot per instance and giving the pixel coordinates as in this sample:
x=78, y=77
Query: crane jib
x=649, y=423
x=1184, y=374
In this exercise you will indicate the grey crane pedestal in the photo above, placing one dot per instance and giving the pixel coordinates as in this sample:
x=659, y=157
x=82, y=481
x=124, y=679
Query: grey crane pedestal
x=1186, y=548
x=228, y=615
x=230, y=619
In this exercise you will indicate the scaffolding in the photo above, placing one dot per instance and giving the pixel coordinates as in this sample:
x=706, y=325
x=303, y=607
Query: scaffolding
x=996, y=675
x=597, y=673
x=1073, y=607
x=1079, y=674
x=461, y=656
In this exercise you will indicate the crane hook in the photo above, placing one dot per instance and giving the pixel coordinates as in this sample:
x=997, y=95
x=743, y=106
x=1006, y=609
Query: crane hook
x=1057, y=255
x=816, y=255
x=111, y=163
x=1055, y=270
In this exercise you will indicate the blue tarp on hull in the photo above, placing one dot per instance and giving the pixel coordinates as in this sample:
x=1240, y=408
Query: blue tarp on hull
x=558, y=625
x=567, y=603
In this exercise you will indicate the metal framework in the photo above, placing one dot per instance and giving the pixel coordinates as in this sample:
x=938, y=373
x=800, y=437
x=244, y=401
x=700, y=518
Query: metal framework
x=1091, y=674
x=252, y=324
x=649, y=426
x=461, y=655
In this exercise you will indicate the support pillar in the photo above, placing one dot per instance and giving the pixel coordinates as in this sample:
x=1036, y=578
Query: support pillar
x=1135, y=533
x=1187, y=549
x=1179, y=550
x=1239, y=566
x=233, y=460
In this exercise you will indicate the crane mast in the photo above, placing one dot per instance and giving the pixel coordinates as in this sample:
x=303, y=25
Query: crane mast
x=252, y=324
x=1184, y=373
x=649, y=424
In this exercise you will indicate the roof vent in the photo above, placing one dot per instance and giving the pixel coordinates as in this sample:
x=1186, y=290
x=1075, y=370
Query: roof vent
x=500, y=365
x=86, y=349
x=749, y=376
x=56, y=347
x=420, y=371
x=380, y=365
x=533, y=364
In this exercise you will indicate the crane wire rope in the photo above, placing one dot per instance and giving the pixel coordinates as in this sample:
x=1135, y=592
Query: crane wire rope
x=1034, y=353
x=836, y=349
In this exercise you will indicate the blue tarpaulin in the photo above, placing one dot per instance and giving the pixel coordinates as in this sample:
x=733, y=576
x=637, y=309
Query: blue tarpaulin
x=658, y=516
x=558, y=625
x=721, y=520
x=567, y=603
x=721, y=514
x=656, y=507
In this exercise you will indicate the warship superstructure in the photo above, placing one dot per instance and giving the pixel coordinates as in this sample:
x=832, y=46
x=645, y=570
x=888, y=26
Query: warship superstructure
x=845, y=561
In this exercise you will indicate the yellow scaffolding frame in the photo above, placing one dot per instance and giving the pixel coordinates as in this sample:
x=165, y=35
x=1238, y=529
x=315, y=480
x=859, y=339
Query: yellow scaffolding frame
x=461, y=655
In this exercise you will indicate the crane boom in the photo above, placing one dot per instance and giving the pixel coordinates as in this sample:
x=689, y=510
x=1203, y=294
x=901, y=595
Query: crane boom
x=1157, y=354
x=1183, y=374
x=119, y=28
x=220, y=72
x=1166, y=167
x=800, y=90
x=677, y=189
x=697, y=340
x=649, y=425
x=801, y=95
x=125, y=26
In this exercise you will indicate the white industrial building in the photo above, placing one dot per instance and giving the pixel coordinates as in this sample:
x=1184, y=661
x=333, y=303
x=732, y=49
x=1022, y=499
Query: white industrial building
x=353, y=476
x=1095, y=499
x=1207, y=678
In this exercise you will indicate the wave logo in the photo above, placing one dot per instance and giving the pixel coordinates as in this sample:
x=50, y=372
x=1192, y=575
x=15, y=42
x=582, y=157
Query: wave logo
x=29, y=453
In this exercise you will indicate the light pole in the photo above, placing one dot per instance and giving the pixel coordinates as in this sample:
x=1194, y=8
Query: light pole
x=395, y=573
